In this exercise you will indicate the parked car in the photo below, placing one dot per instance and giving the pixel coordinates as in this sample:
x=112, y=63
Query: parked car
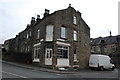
x=101, y=62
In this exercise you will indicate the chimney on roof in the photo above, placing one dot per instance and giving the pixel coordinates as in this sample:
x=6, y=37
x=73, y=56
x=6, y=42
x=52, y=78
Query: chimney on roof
x=32, y=20
x=38, y=18
x=110, y=33
x=28, y=25
x=70, y=5
x=46, y=12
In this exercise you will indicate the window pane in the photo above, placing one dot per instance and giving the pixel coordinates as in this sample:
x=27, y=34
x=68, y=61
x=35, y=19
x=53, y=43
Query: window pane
x=74, y=20
x=59, y=52
x=62, y=52
x=36, y=51
x=27, y=35
x=75, y=35
x=49, y=33
x=65, y=53
x=47, y=55
x=75, y=55
x=30, y=34
x=63, y=32
x=50, y=54
x=38, y=34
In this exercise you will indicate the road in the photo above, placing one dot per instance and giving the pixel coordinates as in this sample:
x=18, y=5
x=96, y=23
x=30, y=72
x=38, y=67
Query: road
x=12, y=71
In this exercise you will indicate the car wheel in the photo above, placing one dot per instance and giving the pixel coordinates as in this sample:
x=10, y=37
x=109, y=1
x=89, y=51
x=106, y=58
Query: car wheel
x=101, y=68
x=113, y=68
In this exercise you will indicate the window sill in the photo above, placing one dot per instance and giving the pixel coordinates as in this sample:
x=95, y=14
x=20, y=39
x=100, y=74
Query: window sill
x=62, y=58
x=75, y=65
x=76, y=60
x=75, y=24
x=36, y=60
x=63, y=38
x=75, y=41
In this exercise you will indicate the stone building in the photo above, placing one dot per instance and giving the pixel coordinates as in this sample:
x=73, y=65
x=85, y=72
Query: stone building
x=7, y=44
x=109, y=45
x=59, y=39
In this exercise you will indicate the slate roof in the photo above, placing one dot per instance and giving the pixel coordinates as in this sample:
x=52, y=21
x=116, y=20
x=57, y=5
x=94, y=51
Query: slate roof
x=105, y=40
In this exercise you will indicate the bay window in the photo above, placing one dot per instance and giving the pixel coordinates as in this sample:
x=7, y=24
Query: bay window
x=62, y=51
x=36, y=52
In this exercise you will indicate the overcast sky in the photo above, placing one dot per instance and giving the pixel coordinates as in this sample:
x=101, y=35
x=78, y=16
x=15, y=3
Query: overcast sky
x=100, y=15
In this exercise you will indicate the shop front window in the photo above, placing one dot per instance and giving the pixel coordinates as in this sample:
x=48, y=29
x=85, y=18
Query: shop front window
x=62, y=51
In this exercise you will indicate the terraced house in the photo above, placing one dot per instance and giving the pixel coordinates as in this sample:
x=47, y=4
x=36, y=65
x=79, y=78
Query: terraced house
x=109, y=45
x=59, y=39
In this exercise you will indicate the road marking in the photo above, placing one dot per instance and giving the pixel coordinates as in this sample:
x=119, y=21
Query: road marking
x=34, y=70
x=14, y=74
x=58, y=74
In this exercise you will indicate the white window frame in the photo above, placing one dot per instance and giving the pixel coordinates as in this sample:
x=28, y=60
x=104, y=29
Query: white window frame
x=28, y=48
x=113, y=48
x=75, y=55
x=62, y=43
x=36, y=52
x=48, y=56
x=49, y=33
x=74, y=19
x=30, y=34
x=27, y=35
x=98, y=48
x=105, y=49
x=63, y=32
x=63, y=48
x=75, y=35
x=38, y=33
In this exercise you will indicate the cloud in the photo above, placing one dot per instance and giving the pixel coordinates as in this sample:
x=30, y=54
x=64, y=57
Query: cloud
x=100, y=15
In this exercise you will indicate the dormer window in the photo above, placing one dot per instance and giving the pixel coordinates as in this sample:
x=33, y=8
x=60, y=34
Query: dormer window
x=74, y=19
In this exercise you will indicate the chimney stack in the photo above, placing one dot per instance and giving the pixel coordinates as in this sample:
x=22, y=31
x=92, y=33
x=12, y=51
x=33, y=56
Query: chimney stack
x=28, y=25
x=38, y=18
x=32, y=20
x=70, y=5
x=46, y=12
x=110, y=33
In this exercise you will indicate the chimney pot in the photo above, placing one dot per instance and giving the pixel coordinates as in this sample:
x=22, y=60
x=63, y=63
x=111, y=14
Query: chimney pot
x=46, y=12
x=110, y=33
x=70, y=5
x=32, y=20
x=38, y=18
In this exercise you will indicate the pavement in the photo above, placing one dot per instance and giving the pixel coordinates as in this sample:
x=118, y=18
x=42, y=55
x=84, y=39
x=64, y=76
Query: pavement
x=33, y=67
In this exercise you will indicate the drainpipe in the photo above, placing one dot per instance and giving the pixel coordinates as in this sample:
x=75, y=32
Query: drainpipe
x=118, y=51
x=102, y=46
